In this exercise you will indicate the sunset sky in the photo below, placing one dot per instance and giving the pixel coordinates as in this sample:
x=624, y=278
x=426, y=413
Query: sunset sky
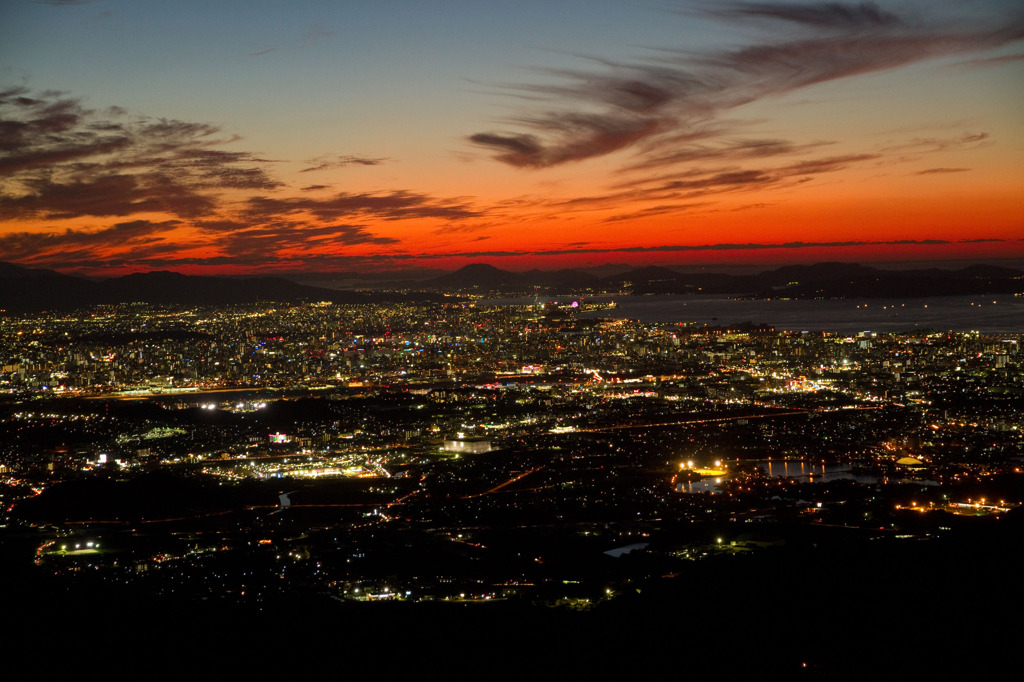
x=282, y=136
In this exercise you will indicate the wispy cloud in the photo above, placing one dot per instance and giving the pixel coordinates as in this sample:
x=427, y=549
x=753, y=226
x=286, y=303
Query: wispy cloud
x=397, y=205
x=692, y=183
x=829, y=15
x=991, y=61
x=296, y=239
x=932, y=171
x=644, y=105
x=331, y=162
x=919, y=145
x=728, y=149
x=314, y=34
x=664, y=209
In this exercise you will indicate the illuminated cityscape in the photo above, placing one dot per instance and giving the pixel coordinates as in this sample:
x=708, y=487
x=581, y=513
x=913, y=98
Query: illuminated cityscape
x=472, y=452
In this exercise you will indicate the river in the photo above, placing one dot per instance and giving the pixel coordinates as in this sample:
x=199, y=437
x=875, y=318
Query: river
x=799, y=470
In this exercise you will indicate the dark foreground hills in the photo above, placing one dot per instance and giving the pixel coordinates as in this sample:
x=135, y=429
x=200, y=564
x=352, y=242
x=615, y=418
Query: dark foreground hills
x=941, y=609
x=30, y=290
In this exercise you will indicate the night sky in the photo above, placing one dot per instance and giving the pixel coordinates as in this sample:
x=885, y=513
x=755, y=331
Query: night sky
x=274, y=136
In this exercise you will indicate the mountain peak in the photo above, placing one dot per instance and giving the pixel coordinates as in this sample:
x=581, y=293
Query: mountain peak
x=480, y=275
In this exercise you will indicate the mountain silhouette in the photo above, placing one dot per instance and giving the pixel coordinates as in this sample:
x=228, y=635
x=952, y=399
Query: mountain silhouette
x=23, y=291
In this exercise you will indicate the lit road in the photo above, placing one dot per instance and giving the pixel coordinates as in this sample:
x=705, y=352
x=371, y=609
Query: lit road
x=712, y=420
x=506, y=483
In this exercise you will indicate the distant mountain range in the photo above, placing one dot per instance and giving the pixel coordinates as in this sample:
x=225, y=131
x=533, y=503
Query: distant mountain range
x=27, y=290
x=824, y=280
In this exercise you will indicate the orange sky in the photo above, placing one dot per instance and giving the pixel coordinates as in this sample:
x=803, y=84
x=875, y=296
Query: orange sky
x=730, y=133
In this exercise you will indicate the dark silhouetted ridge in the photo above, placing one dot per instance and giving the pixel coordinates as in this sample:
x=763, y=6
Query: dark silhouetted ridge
x=46, y=290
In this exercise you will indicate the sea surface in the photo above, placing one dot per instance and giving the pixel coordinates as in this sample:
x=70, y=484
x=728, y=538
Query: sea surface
x=993, y=314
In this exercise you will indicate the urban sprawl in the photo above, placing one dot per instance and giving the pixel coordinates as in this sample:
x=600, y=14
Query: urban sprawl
x=465, y=452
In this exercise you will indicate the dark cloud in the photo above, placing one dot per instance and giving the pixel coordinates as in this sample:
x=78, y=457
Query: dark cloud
x=727, y=149
x=317, y=33
x=62, y=160
x=143, y=243
x=30, y=245
x=939, y=144
x=646, y=106
x=832, y=15
x=397, y=205
x=654, y=210
x=106, y=195
x=330, y=162
x=220, y=225
x=584, y=135
x=515, y=150
x=44, y=123
x=297, y=238
x=930, y=171
x=688, y=185
x=311, y=35
x=741, y=178
x=825, y=165
x=697, y=182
